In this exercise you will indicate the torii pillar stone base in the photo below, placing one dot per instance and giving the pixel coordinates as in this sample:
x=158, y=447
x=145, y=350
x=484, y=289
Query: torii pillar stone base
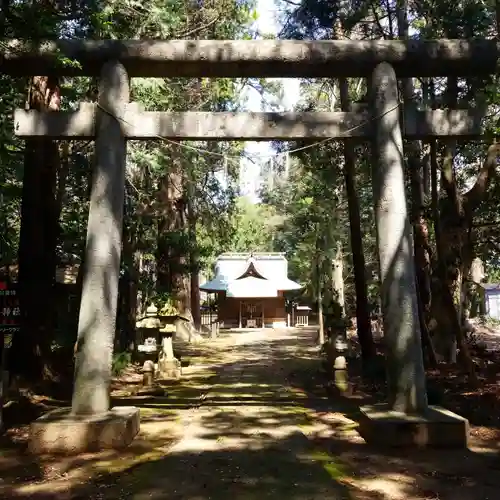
x=435, y=428
x=60, y=432
x=406, y=419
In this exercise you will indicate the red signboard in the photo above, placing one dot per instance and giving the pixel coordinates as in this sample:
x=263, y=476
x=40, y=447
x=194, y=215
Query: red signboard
x=10, y=313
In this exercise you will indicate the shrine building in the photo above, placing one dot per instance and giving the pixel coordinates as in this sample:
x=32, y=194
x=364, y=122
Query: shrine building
x=250, y=289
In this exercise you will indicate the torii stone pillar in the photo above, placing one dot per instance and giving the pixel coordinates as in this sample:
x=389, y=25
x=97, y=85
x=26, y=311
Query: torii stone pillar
x=406, y=418
x=98, y=308
x=91, y=425
x=405, y=367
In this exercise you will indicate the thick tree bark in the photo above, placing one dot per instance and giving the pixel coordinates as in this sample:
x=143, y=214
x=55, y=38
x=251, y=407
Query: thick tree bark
x=319, y=297
x=194, y=285
x=31, y=353
x=127, y=301
x=182, y=276
x=172, y=264
x=338, y=279
x=422, y=248
x=455, y=246
x=169, y=197
x=321, y=321
x=363, y=322
x=443, y=306
x=194, y=267
x=195, y=299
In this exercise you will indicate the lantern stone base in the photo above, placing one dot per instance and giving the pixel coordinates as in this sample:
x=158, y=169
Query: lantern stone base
x=436, y=428
x=169, y=368
x=58, y=432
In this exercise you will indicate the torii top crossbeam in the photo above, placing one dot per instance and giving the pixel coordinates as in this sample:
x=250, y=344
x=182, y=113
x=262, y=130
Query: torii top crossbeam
x=252, y=58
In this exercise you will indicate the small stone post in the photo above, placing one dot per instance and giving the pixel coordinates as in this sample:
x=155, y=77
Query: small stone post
x=148, y=373
x=96, y=327
x=405, y=367
x=340, y=374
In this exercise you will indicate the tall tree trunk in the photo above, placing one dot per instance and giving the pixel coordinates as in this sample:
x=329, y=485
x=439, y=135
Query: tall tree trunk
x=181, y=274
x=449, y=213
x=172, y=264
x=363, y=322
x=31, y=353
x=195, y=299
x=456, y=250
x=127, y=304
x=338, y=279
x=321, y=321
x=451, y=217
x=319, y=294
x=164, y=250
x=194, y=266
x=422, y=248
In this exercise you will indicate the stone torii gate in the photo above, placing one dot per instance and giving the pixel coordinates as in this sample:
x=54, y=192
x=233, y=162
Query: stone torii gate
x=113, y=120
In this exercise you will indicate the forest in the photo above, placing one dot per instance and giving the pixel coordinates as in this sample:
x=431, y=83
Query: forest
x=185, y=203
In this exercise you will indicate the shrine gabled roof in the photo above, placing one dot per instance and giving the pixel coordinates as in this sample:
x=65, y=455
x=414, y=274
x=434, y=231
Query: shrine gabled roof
x=252, y=270
x=251, y=275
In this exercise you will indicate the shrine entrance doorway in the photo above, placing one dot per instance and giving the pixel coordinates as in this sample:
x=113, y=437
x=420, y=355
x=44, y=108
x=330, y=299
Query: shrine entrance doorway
x=251, y=314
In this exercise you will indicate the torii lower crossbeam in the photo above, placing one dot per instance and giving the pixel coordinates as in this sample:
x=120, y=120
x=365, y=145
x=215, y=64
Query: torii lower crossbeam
x=138, y=124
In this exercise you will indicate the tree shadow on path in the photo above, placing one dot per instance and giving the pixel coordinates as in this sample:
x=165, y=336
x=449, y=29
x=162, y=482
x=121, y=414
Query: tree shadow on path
x=265, y=428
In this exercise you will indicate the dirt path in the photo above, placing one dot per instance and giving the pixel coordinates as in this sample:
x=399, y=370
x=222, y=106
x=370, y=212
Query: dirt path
x=250, y=420
x=248, y=440
x=233, y=428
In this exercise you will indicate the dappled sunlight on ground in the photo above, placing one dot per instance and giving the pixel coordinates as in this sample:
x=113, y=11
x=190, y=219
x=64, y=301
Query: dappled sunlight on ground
x=250, y=420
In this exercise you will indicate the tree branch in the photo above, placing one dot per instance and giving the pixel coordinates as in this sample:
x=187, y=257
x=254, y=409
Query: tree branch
x=198, y=29
x=494, y=245
x=476, y=193
x=376, y=18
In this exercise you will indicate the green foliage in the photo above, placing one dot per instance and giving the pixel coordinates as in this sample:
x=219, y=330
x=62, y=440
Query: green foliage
x=304, y=215
x=254, y=227
x=121, y=360
x=166, y=305
x=317, y=19
x=209, y=195
x=194, y=176
x=10, y=170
